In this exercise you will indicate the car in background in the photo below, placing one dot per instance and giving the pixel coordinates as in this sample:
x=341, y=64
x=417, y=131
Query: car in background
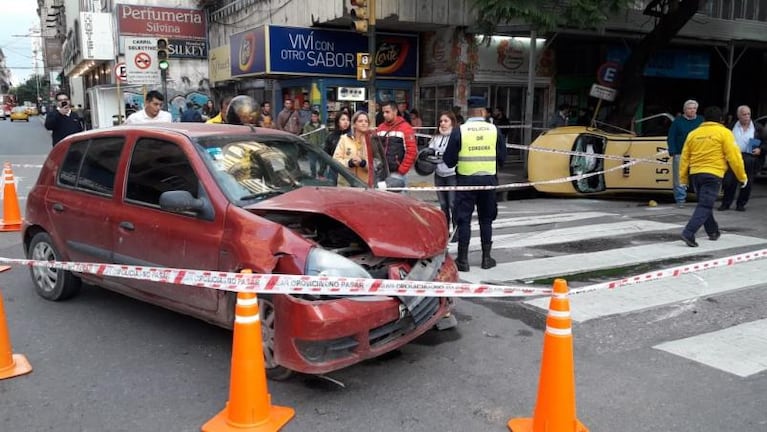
x=32, y=111
x=231, y=198
x=2, y=114
x=19, y=113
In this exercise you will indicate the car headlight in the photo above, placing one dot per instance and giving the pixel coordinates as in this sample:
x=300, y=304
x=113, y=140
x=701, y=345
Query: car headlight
x=321, y=262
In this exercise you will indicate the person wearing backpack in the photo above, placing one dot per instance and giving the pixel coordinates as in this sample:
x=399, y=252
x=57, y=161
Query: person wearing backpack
x=398, y=141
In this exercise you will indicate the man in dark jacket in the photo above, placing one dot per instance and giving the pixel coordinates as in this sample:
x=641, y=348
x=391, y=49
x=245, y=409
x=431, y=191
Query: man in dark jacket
x=192, y=114
x=62, y=121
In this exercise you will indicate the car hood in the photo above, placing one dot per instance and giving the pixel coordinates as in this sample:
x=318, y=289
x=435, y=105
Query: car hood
x=392, y=225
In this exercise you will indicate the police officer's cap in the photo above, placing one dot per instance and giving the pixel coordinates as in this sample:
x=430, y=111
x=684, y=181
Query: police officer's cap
x=477, y=102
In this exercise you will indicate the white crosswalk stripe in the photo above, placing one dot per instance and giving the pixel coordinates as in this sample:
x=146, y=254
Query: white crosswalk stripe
x=523, y=245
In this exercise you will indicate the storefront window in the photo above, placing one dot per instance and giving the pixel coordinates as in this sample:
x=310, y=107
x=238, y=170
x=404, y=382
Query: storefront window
x=342, y=98
x=435, y=100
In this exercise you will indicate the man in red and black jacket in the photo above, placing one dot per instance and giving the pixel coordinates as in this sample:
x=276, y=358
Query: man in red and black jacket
x=399, y=144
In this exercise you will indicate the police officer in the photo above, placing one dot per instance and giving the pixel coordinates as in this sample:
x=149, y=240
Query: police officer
x=476, y=149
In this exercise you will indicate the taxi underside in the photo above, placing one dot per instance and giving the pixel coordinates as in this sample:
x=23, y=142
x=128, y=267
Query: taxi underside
x=586, y=161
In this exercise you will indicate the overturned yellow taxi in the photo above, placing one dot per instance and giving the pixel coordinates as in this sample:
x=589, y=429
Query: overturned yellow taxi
x=583, y=160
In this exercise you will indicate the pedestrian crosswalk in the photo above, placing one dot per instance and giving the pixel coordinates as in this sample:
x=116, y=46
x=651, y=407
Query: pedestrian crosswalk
x=530, y=249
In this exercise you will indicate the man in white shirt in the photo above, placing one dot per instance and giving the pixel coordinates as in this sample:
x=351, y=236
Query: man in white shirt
x=750, y=138
x=152, y=112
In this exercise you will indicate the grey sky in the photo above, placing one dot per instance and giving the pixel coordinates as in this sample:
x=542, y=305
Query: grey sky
x=17, y=17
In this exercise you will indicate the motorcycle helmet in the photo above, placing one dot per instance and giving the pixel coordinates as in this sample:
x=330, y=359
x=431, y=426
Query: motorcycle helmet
x=242, y=111
x=425, y=162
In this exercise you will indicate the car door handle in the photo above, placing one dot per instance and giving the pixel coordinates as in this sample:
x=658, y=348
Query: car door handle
x=58, y=207
x=127, y=225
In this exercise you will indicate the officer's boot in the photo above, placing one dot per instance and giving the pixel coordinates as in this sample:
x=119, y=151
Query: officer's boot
x=487, y=260
x=462, y=262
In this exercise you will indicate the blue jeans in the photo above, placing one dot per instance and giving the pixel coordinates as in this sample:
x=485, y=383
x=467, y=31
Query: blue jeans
x=707, y=187
x=680, y=194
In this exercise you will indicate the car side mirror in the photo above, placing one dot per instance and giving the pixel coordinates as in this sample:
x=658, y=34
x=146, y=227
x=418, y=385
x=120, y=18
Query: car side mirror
x=180, y=201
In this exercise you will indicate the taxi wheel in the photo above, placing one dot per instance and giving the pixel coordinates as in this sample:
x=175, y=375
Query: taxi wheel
x=50, y=284
x=273, y=370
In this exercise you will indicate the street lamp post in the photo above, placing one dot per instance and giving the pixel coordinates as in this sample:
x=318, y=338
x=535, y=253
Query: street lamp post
x=37, y=80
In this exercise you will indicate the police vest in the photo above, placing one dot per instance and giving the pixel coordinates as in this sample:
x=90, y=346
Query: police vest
x=477, y=155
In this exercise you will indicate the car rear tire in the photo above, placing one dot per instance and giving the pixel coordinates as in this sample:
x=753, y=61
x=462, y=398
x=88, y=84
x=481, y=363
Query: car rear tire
x=50, y=284
x=274, y=371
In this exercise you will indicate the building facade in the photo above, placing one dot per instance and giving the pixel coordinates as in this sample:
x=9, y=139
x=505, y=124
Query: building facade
x=429, y=55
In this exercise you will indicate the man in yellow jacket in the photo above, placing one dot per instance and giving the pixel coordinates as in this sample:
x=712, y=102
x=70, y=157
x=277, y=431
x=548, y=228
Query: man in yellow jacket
x=706, y=155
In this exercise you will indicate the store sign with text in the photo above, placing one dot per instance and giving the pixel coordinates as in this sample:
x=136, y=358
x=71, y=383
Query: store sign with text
x=218, y=64
x=174, y=23
x=96, y=36
x=307, y=51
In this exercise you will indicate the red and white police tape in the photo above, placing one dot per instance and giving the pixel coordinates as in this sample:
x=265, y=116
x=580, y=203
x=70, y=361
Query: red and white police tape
x=288, y=284
x=293, y=284
x=509, y=185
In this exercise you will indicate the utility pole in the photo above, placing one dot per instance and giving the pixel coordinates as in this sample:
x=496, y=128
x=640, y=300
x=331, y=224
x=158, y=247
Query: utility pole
x=372, y=51
x=363, y=14
x=37, y=79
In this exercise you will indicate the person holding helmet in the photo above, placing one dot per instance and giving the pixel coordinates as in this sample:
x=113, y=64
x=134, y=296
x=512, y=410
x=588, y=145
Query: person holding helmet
x=475, y=149
x=444, y=175
x=242, y=111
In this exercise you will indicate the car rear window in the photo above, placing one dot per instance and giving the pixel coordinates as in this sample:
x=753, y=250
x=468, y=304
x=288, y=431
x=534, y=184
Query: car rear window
x=92, y=165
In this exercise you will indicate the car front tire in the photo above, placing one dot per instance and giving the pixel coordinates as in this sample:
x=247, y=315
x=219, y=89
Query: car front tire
x=274, y=371
x=50, y=284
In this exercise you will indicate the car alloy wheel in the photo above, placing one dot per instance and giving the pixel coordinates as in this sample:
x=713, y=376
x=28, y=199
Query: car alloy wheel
x=273, y=370
x=50, y=283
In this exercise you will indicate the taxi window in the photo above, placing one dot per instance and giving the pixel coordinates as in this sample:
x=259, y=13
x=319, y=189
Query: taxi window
x=158, y=166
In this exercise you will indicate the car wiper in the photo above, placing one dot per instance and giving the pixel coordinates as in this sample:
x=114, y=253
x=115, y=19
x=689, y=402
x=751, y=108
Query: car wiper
x=265, y=194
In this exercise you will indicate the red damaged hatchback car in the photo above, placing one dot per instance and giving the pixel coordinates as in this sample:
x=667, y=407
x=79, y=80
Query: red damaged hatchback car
x=227, y=198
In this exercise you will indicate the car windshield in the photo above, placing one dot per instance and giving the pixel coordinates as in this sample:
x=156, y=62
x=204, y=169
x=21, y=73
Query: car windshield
x=255, y=167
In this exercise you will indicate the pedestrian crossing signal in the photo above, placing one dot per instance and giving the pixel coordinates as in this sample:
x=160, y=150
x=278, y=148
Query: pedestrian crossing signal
x=363, y=66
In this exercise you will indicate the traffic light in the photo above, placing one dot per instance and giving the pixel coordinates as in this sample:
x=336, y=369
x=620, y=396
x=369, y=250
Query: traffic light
x=359, y=13
x=162, y=53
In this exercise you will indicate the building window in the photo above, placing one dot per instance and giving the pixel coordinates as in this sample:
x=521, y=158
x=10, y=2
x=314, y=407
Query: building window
x=433, y=101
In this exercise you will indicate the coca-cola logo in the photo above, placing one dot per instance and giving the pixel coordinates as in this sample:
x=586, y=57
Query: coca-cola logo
x=391, y=55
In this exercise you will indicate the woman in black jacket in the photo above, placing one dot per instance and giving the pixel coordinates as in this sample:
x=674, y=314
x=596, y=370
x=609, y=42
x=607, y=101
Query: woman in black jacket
x=342, y=125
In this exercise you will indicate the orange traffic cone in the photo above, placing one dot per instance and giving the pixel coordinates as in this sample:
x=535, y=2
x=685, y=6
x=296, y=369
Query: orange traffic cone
x=11, y=365
x=11, y=213
x=249, y=407
x=555, y=407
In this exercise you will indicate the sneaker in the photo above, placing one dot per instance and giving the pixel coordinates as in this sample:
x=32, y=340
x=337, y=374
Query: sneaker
x=740, y=208
x=680, y=205
x=715, y=236
x=688, y=241
x=723, y=208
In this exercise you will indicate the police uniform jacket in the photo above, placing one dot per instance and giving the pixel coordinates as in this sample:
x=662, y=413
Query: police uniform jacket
x=454, y=145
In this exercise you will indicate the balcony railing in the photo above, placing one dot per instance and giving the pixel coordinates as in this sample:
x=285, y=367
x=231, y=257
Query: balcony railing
x=754, y=10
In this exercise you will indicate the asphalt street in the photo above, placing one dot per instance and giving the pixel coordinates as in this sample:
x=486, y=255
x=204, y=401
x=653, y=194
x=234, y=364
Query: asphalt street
x=105, y=362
